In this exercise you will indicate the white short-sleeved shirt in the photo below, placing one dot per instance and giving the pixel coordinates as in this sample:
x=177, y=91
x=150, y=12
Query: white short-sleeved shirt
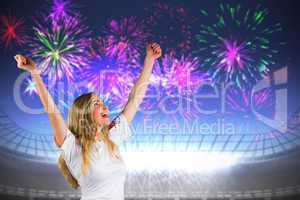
x=106, y=175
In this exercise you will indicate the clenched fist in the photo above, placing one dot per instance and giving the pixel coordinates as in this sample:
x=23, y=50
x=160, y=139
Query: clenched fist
x=154, y=51
x=25, y=63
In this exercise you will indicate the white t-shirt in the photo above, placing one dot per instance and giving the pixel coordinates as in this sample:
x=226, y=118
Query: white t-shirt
x=106, y=175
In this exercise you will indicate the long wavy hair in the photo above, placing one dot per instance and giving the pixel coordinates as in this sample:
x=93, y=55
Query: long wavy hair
x=84, y=128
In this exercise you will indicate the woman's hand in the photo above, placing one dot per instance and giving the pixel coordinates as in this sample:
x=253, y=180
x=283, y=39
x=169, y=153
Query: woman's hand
x=25, y=63
x=153, y=51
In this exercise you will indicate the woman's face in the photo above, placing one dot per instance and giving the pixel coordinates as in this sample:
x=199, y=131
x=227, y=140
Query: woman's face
x=100, y=111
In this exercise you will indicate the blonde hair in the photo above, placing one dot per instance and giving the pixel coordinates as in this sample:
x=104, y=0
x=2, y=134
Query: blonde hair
x=84, y=128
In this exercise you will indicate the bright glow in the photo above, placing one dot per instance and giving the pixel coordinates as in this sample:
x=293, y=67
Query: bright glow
x=31, y=87
x=187, y=161
x=11, y=31
x=61, y=48
x=234, y=56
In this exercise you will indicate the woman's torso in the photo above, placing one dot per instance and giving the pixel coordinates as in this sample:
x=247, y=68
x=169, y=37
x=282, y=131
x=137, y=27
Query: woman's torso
x=106, y=175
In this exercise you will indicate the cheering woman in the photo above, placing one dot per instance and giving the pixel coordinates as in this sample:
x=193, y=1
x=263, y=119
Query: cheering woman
x=90, y=158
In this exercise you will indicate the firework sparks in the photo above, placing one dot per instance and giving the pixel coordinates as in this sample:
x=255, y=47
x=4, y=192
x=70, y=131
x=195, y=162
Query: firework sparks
x=174, y=82
x=108, y=75
x=60, y=51
x=60, y=9
x=242, y=102
x=12, y=31
x=234, y=58
x=181, y=73
x=238, y=47
x=125, y=38
x=30, y=87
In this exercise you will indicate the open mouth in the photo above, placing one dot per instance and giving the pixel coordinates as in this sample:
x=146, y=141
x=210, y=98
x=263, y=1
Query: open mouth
x=104, y=115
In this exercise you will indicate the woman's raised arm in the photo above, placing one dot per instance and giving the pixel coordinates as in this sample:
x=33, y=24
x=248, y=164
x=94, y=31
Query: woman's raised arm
x=140, y=87
x=54, y=115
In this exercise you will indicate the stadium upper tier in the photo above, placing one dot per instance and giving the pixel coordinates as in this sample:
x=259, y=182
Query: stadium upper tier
x=256, y=144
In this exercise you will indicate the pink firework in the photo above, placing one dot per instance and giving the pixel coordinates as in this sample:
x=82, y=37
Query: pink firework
x=182, y=74
x=108, y=75
x=242, y=102
x=175, y=82
x=61, y=51
x=126, y=38
x=60, y=10
x=232, y=58
x=12, y=31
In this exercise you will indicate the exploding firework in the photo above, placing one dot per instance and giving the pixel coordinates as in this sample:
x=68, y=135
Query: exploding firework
x=175, y=82
x=12, y=31
x=239, y=46
x=166, y=20
x=183, y=74
x=125, y=40
x=60, y=9
x=243, y=102
x=30, y=87
x=60, y=50
x=108, y=75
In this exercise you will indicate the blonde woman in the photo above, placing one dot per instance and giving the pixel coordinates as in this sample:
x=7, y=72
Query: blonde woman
x=90, y=158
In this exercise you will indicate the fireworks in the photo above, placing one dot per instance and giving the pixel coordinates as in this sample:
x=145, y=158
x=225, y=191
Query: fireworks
x=238, y=47
x=243, y=102
x=174, y=82
x=60, y=10
x=171, y=26
x=125, y=38
x=234, y=58
x=182, y=74
x=61, y=50
x=12, y=31
x=108, y=75
x=182, y=79
x=30, y=87
x=110, y=84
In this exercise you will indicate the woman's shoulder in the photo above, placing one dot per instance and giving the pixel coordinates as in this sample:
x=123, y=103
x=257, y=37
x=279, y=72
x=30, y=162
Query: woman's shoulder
x=120, y=129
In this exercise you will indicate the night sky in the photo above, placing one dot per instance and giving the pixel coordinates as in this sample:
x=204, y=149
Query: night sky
x=98, y=12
